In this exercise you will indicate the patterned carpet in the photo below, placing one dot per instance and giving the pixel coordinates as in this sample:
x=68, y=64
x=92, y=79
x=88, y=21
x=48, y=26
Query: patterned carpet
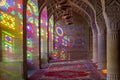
x=68, y=70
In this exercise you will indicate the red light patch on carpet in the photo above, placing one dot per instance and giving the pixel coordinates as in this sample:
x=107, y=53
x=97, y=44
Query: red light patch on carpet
x=66, y=74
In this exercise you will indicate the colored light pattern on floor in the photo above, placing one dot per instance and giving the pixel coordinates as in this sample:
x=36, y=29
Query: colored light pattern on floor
x=8, y=6
x=7, y=44
x=51, y=28
x=7, y=20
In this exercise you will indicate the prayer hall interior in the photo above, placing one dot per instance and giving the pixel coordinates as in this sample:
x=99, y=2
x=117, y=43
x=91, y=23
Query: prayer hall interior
x=59, y=39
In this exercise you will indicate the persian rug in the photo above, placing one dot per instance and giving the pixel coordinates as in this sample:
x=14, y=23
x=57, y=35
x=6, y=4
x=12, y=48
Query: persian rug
x=68, y=70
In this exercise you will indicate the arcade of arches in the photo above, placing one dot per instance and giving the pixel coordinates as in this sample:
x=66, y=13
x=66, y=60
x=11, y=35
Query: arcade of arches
x=59, y=39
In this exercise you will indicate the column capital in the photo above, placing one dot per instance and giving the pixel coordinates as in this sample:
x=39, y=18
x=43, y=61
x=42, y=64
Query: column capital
x=114, y=26
x=101, y=25
x=113, y=14
x=100, y=18
x=114, y=34
x=113, y=10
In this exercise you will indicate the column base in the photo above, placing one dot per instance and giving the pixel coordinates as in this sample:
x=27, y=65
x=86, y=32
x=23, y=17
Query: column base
x=101, y=66
x=113, y=76
x=94, y=60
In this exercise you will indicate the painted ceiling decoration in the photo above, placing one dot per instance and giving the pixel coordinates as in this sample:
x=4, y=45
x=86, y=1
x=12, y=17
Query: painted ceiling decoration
x=66, y=8
x=57, y=7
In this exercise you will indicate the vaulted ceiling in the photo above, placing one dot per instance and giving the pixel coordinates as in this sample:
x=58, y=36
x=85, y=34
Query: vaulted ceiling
x=89, y=9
